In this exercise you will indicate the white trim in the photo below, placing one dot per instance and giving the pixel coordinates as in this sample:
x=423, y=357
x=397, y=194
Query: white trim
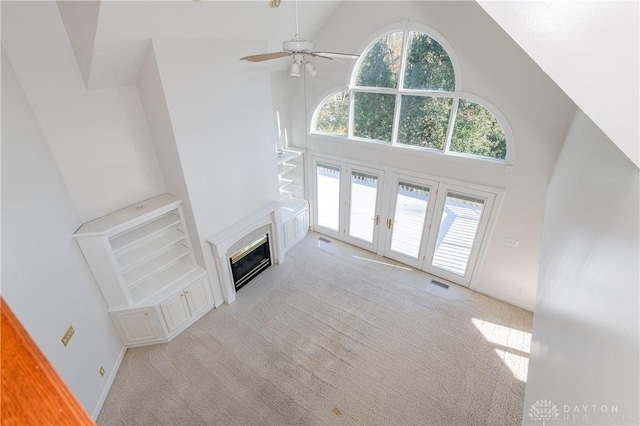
x=314, y=197
x=268, y=217
x=324, y=157
x=320, y=101
x=484, y=231
x=510, y=158
x=415, y=151
x=379, y=173
x=107, y=386
x=453, y=113
x=407, y=26
x=455, y=95
x=484, y=248
x=481, y=233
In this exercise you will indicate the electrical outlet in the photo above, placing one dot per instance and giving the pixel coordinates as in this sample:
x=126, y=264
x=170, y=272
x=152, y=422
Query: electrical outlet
x=67, y=336
x=101, y=371
x=510, y=242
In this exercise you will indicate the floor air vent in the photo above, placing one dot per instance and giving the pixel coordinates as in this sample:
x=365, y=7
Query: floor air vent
x=324, y=240
x=439, y=284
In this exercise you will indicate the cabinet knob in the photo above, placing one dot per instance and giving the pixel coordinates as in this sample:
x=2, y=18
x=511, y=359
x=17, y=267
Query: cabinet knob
x=146, y=313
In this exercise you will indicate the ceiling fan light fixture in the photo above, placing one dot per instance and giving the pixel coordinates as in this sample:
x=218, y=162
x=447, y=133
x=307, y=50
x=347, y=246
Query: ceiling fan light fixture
x=295, y=70
x=311, y=69
x=297, y=45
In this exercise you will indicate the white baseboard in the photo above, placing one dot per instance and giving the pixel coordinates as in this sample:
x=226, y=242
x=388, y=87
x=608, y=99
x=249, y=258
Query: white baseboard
x=502, y=298
x=107, y=387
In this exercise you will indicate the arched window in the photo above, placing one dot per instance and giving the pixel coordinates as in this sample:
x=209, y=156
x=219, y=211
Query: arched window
x=404, y=92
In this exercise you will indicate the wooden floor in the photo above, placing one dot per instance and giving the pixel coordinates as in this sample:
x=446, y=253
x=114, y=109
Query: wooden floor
x=457, y=228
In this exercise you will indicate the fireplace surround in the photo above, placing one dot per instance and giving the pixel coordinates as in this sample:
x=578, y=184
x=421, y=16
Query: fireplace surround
x=266, y=221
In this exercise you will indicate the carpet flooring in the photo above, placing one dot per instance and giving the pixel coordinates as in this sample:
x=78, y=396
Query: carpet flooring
x=334, y=335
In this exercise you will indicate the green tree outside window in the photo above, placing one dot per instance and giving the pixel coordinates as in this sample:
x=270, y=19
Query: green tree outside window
x=428, y=65
x=380, y=66
x=422, y=120
x=333, y=116
x=478, y=132
x=373, y=115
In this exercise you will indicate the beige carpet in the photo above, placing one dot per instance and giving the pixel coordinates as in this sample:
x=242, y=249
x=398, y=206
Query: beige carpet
x=333, y=337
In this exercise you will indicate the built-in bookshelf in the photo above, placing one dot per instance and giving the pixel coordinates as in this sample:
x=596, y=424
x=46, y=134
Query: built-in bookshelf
x=142, y=259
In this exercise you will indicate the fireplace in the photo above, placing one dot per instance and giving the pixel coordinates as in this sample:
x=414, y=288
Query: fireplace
x=231, y=240
x=249, y=261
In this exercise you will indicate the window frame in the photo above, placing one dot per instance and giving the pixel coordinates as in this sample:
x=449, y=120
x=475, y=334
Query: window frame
x=455, y=96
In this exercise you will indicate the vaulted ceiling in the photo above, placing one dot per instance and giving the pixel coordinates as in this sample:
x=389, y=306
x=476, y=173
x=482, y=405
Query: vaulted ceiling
x=110, y=38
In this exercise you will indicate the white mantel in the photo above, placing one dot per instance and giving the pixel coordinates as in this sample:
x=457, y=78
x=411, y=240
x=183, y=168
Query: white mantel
x=267, y=220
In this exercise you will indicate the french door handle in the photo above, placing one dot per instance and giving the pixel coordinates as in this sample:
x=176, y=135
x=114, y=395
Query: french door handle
x=377, y=219
x=389, y=223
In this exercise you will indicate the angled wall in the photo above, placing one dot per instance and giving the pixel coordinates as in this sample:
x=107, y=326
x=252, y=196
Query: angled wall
x=45, y=279
x=585, y=342
x=99, y=139
x=591, y=50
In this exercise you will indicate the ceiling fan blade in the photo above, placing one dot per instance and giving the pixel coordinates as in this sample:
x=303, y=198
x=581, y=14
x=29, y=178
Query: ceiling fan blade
x=336, y=55
x=317, y=55
x=265, y=56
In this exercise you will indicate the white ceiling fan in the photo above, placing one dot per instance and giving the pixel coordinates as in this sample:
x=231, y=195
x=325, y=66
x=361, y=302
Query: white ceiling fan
x=297, y=48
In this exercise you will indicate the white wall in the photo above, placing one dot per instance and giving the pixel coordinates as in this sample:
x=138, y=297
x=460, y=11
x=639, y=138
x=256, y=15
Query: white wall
x=592, y=50
x=44, y=277
x=161, y=129
x=81, y=22
x=99, y=139
x=494, y=68
x=585, y=342
x=224, y=126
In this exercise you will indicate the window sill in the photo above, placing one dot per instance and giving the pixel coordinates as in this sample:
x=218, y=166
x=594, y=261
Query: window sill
x=415, y=151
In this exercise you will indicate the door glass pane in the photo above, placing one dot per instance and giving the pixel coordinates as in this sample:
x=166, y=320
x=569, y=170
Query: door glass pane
x=460, y=220
x=364, y=192
x=408, y=221
x=328, y=192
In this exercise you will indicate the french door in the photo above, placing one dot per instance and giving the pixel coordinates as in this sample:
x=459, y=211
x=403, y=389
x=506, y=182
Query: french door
x=437, y=227
x=348, y=202
x=328, y=185
x=457, y=232
x=410, y=214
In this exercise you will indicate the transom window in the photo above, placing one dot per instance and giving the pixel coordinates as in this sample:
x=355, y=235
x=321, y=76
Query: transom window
x=403, y=92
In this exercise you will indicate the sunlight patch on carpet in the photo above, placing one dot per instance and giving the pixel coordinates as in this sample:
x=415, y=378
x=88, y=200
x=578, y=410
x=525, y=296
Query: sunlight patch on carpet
x=517, y=364
x=512, y=346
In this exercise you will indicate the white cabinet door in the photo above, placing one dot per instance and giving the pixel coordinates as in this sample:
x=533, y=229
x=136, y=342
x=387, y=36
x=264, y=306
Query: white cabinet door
x=138, y=325
x=301, y=224
x=296, y=228
x=198, y=297
x=175, y=311
x=289, y=232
